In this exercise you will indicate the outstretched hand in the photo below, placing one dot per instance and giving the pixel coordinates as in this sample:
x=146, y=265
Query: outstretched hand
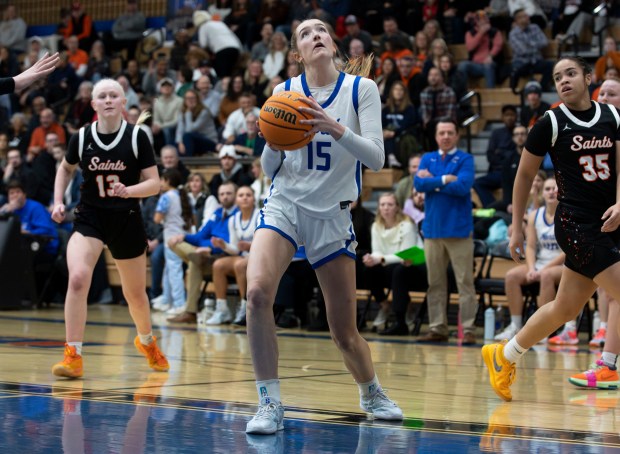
x=42, y=68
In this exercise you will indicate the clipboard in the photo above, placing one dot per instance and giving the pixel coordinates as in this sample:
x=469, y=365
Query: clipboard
x=414, y=254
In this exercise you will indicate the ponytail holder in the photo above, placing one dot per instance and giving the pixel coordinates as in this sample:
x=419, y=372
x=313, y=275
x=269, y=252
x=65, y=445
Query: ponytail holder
x=180, y=187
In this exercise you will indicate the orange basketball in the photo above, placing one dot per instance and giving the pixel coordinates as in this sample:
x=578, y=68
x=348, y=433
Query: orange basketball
x=279, y=121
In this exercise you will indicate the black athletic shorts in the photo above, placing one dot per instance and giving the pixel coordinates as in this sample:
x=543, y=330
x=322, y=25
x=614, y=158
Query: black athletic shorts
x=588, y=250
x=122, y=231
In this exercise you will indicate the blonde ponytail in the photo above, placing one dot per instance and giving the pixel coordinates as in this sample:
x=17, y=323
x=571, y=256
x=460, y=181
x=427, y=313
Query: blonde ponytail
x=144, y=115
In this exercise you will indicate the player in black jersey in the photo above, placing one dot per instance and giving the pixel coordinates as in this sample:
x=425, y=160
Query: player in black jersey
x=118, y=166
x=583, y=138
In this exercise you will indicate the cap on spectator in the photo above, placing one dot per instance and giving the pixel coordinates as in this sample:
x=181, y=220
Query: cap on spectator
x=532, y=87
x=200, y=17
x=350, y=20
x=228, y=150
x=37, y=39
x=164, y=81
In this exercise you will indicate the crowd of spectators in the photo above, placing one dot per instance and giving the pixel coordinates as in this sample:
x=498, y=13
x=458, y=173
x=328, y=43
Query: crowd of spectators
x=205, y=94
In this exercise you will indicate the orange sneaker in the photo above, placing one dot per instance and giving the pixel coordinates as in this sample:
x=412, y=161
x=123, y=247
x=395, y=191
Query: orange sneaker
x=600, y=376
x=566, y=337
x=599, y=338
x=157, y=360
x=150, y=390
x=500, y=427
x=502, y=372
x=71, y=366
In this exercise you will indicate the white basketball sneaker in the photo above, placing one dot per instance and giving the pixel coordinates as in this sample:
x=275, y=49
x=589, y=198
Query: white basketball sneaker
x=268, y=419
x=221, y=315
x=380, y=406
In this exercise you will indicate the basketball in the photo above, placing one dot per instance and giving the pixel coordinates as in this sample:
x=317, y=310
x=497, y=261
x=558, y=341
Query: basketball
x=279, y=121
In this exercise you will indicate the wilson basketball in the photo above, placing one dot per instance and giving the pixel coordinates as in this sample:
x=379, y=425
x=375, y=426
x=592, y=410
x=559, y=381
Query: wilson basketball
x=279, y=121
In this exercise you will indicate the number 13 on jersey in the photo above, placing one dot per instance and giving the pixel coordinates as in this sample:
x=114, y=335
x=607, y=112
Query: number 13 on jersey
x=101, y=184
x=322, y=160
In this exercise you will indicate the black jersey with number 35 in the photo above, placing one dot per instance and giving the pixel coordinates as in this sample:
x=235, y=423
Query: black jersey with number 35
x=106, y=159
x=582, y=145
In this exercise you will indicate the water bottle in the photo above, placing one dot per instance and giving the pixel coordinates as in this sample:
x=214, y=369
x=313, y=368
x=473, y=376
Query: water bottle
x=499, y=318
x=489, y=323
x=596, y=322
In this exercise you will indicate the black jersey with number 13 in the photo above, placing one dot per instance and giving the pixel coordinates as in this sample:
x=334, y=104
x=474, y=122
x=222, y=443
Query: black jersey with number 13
x=107, y=159
x=582, y=145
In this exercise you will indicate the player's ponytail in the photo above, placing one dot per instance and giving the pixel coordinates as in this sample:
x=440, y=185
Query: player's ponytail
x=144, y=115
x=359, y=66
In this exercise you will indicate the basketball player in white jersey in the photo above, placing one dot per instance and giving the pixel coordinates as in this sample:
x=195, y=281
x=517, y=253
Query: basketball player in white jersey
x=118, y=165
x=583, y=139
x=309, y=205
x=544, y=260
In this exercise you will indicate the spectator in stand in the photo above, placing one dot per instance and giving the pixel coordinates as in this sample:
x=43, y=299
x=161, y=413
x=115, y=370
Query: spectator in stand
x=48, y=124
x=610, y=58
x=130, y=94
x=12, y=30
x=234, y=264
x=170, y=160
x=354, y=31
x=184, y=80
x=72, y=195
x=80, y=111
x=411, y=77
x=414, y=207
x=527, y=41
x=4, y=148
x=544, y=261
x=532, y=8
x=180, y=48
x=235, y=124
x=98, y=63
x=398, y=118
x=166, y=111
x=35, y=220
x=485, y=46
x=197, y=191
x=216, y=37
x=198, y=251
x=127, y=30
x=230, y=101
x=63, y=83
x=509, y=170
x=260, y=49
x=210, y=98
x=261, y=183
x=241, y=20
x=157, y=71
x=36, y=51
x=432, y=30
x=436, y=101
x=43, y=168
x=249, y=142
x=196, y=133
x=276, y=57
x=392, y=232
x=76, y=56
x=405, y=184
x=230, y=170
x=452, y=76
x=534, y=107
x=446, y=177
x=16, y=169
x=499, y=148
x=421, y=49
x=18, y=133
x=256, y=81
x=81, y=25
x=389, y=74
x=134, y=75
x=390, y=29
x=356, y=49
x=9, y=66
x=438, y=49
x=274, y=11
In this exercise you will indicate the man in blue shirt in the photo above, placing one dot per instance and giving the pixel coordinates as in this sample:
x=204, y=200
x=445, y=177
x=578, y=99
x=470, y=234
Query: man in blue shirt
x=35, y=220
x=446, y=177
x=198, y=251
